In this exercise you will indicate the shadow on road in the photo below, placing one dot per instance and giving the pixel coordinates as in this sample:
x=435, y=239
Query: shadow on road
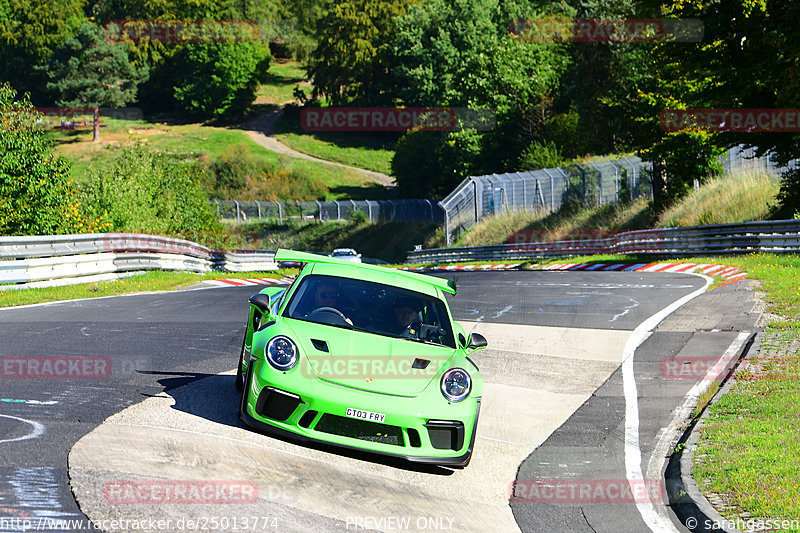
x=214, y=398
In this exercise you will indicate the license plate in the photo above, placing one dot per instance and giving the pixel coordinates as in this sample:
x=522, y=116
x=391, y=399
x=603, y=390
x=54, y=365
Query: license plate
x=365, y=415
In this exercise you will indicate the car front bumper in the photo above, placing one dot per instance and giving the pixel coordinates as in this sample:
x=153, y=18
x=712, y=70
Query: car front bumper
x=423, y=429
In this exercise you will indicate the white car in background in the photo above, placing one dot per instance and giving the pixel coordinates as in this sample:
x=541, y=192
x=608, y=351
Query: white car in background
x=348, y=254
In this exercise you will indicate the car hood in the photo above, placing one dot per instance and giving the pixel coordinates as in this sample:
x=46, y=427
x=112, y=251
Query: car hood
x=367, y=361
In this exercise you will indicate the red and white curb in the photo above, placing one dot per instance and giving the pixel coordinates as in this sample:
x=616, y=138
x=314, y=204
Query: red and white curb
x=727, y=273
x=451, y=268
x=248, y=281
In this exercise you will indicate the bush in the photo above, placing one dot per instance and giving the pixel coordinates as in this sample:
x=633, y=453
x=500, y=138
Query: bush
x=356, y=217
x=143, y=191
x=789, y=196
x=540, y=155
x=431, y=164
x=219, y=79
x=237, y=175
x=36, y=194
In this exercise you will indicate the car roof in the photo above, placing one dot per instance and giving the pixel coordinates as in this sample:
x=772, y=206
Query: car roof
x=391, y=276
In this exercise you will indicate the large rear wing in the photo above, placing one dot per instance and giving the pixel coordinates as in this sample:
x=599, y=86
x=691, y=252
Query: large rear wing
x=281, y=254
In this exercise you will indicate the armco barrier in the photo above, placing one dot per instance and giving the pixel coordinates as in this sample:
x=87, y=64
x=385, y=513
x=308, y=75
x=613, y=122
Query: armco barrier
x=86, y=243
x=60, y=257
x=781, y=236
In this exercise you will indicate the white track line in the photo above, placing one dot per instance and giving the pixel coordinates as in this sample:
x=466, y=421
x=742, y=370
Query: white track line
x=633, y=453
x=684, y=412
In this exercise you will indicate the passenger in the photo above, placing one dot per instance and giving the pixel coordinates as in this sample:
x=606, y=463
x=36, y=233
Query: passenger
x=406, y=317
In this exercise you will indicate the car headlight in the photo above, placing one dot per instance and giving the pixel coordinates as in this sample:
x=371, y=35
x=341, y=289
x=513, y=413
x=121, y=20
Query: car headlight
x=456, y=384
x=282, y=353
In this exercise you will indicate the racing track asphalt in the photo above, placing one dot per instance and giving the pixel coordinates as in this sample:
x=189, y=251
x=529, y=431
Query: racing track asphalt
x=159, y=345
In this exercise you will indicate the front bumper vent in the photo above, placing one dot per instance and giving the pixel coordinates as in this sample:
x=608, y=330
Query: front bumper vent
x=276, y=404
x=446, y=434
x=360, y=429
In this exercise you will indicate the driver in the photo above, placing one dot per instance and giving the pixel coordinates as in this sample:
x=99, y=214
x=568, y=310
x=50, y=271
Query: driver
x=327, y=295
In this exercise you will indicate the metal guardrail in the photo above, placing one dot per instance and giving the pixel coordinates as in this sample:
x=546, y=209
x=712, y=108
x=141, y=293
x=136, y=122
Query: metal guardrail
x=60, y=257
x=776, y=237
x=86, y=243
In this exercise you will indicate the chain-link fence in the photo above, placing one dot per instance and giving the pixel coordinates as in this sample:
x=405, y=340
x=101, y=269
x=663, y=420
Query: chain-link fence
x=594, y=183
x=741, y=159
x=337, y=210
x=546, y=190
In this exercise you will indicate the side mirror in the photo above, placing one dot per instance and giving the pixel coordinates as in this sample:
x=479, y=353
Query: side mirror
x=476, y=340
x=261, y=301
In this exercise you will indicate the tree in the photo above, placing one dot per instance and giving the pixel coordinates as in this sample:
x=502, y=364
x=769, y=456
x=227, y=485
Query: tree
x=751, y=49
x=352, y=61
x=460, y=54
x=217, y=79
x=36, y=193
x=30, y=31
x=87, y=71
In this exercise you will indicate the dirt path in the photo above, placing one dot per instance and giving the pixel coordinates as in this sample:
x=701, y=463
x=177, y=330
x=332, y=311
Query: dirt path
x=260, y=130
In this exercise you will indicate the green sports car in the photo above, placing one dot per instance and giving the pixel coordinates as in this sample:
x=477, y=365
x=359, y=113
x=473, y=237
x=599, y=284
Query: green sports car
x=362, y=357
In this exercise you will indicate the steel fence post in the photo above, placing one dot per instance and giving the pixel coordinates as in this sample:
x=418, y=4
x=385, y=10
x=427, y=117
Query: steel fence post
x=616, y=178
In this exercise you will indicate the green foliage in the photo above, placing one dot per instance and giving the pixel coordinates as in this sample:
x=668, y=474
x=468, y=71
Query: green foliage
x=788, y=196
x=351, y=63
x=217, y=79
x=460, y=54
x=356, y=217
x=36, y=193
x=680, y=159
x=88, y=71
x=30, y=31
x=236, y=174
x=431, y=164
x=144, y=191
x=443, y=52
x=540, y=155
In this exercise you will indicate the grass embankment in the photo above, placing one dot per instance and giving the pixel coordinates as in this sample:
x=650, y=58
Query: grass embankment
x=197, y=141
x=147, y=282
x=750, y=447
x=369, y=150
x=733, y=198
x=205, y=143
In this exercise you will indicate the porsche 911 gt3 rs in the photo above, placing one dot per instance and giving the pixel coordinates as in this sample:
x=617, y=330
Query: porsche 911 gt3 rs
x=363, y=357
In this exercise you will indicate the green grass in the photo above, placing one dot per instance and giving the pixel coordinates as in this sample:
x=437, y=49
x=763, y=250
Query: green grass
x=195, y=140
x=283, y=77
x=729, y=198
x=369, y=150
x=720, y=201
x=749, y=449
x=147, y=282
x=553, y=226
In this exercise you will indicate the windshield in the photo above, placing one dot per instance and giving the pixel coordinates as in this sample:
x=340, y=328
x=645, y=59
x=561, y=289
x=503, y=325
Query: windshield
x=371, y=307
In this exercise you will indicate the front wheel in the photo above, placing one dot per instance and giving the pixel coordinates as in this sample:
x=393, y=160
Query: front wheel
x=239, y=373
